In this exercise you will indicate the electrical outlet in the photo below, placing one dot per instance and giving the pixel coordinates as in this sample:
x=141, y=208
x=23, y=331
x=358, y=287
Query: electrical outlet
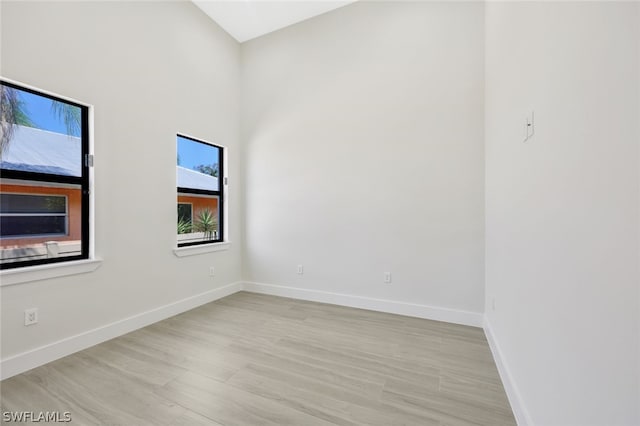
x=30, y=316
x=387, y=277
x=212, y=271
x=300, y=269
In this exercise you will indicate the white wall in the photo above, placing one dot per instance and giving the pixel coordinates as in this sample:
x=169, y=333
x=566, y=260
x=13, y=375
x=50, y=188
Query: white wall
x=562, y=216
x=364, y=153
x=150, y=70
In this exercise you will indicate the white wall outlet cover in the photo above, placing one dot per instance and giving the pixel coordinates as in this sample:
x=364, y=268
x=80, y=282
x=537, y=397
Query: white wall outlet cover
x=30, y=316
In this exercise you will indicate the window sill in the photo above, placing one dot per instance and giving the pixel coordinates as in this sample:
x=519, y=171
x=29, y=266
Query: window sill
x=201, y=249
x=43, y=272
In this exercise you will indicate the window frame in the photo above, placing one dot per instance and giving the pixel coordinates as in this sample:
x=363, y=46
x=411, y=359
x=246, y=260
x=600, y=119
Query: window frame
x=220, y=194
x=83, y=181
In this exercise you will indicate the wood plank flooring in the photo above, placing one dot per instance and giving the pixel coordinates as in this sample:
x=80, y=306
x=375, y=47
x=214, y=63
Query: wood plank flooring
x=251, y=359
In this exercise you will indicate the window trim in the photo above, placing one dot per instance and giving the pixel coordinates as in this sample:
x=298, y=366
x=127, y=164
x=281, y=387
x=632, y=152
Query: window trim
x=84, y=181
x=220, y=193
x=201, y=249
x=30, y=274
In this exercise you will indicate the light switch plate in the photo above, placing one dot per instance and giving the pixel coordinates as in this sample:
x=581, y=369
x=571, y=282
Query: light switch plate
x=529, y=128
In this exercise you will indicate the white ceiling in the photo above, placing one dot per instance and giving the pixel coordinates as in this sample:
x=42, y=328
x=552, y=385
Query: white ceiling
x=247, y=19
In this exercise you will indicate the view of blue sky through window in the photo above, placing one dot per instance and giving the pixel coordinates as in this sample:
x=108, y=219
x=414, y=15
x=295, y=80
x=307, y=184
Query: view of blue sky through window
x=41, y=135
x=42, y=115
x=198, y=156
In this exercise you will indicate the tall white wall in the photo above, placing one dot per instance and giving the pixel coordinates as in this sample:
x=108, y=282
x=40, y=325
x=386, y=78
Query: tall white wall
x=151, y=69
x=562, y=210
x=363, y=133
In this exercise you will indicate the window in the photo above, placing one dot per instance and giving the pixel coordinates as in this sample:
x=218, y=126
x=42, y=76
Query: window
x=185, y=213
x=44, y=186
x=24, y=215
x=185, y=217
x=199, y=175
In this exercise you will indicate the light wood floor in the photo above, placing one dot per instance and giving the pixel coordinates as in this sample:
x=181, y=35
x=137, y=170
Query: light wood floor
x=252, y=359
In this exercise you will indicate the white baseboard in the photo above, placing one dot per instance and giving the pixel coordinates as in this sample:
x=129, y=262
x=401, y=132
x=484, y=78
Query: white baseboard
x=515, y=399
x=393, y=307
x=27, y=360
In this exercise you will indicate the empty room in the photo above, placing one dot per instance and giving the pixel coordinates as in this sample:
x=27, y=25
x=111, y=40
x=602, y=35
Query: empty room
x=421, y=213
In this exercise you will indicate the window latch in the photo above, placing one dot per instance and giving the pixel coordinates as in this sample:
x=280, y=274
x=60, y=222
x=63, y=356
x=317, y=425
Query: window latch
x=88, y=160
x=226, y=181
